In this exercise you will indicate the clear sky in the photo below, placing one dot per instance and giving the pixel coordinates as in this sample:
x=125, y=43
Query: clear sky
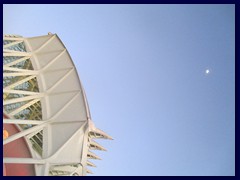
x=143, y=68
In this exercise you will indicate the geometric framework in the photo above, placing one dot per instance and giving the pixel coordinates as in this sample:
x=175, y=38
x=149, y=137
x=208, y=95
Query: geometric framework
x=44, y=98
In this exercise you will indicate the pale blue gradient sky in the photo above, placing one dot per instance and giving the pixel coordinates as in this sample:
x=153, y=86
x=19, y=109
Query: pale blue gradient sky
x=143, y=69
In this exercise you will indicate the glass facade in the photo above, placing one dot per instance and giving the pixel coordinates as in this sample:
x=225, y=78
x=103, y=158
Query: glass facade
x=22, y=83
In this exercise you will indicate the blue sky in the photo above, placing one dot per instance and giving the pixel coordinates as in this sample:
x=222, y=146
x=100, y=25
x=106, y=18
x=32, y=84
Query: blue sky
x=143, y=70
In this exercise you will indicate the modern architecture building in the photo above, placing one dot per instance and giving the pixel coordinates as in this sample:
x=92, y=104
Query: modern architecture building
x=48, y=130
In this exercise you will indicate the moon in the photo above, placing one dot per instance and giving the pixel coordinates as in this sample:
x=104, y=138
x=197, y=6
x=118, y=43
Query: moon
x=207, y=71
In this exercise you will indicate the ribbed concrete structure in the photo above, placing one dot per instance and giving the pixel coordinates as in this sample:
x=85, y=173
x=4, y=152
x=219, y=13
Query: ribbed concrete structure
x=46, y=110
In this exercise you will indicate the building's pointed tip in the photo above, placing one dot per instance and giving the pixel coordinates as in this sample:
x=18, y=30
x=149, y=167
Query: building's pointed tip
x=97, y=133
x=105, y=135
x=91, y=164
x=91, y=155
x=95, y=146
x=88, y=171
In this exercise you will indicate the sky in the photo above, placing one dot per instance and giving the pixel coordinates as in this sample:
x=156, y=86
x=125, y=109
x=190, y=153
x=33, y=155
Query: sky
x=143, y=68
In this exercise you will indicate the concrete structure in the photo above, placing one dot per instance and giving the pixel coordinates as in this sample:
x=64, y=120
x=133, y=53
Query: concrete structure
x=46, y=114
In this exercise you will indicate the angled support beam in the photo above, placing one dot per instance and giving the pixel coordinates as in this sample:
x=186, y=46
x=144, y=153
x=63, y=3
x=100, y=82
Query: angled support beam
x=33, y=161
x=60, y=80
x=23, y=160
x=72, y=121
x=16, y=61
x=65, y=106
x=20, y=74
x=22, y=99
x=17, y=69
x=55, y=70
x=20, y=82
x=12, y=44
x=24, y=107
x=53, y=60
x=20, y=92
x=15, y=53
x=48, y=41
x=21, y=121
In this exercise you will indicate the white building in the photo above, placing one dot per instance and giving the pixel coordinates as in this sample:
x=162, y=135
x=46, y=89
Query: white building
x=44, y=100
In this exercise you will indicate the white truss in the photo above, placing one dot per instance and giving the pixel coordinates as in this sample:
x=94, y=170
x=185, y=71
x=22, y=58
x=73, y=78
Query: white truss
x=54, y=83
